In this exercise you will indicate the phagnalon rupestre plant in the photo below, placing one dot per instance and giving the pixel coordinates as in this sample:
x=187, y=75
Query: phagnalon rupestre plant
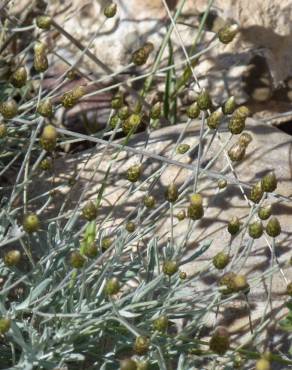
x=84, y=284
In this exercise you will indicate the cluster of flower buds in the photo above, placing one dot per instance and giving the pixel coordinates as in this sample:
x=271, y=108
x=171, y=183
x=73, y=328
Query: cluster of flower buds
x=233, y=283
x=19, y=77
x=70, y=98
x=237, y=151
x=141, y=345
x=131, y=124
x=195, y=208
x=9, y=109
x=237, y=121
x=44, y=22
x=140, y=56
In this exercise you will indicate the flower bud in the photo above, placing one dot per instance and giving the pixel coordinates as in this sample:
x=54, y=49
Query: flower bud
x=46, y=164
x=130, y=226
x=236, y=125
x=182, y=275
x=149, y=201
x=236, y=153
x=45, y=108
x=44, y=22
x=19, y=77
x=114, y=121
x=229, y=106
x=289, y=289
x=124, y=112
x=170, y=267
x=141, y=55
x=117, y=101
x=219, y=342
x=155, y=111
x=273, y=227
x=255, y=229
x=12, y=258
x=134, y=173
x=182, y=148
x=227, y=33
x=238, y=361
x=31, y=223
x=171, y=193
x=227, y=283
x=48, y=138
x=9, y=109
x=233, y=225
x=110, y=10
x=195, y=209
x=90, y=250
x=245, y=139
x=263, y=364
x=132, y=123
x=242, y=112
x=256, y=192
x=89, y=211
x=40, y=63
x=265, y=212
x=204, y=101
x=222, y=183
x=112, y=286
x=269, y=182
x=143, y=365
x=106, y=243
x=214, y=119
x=193, y=111
x=5, y=325
x=240, y=283
x=161, y=323
x=128, y=365
x=76, y=260
x=221, y=260
x=70, y=98
x=141, y=345
x=3, y=130
x=181, y=215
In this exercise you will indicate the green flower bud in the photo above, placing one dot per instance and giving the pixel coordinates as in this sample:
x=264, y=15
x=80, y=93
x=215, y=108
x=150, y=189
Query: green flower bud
x=204, y=101
x=242, y=112
x=114, y=121
x=132, y=123
x=106, y=243
x=90, y=250
x=134, y=173
x=182, y=275
x=70, y=98
x=31, y=223
x=273, y=227
x=195, y=209
x=193, y=111
x=227, y=33
x=3, y=130
x=130, y=226
x=141, y=345
x=236, y=125
x=170, y=267
x=9, y=109
x=89, y=211
x=269, y=182
x=219, y=342
x=77, y=261
x=222, y=183
x=19, y=77
x=240, y=283
x=263, y=364
x=143, y=365
x=72, y=74
x=5, y=325
x=236, y=153
x=46, y=164
x=44, y=22
x=149, y=201
x=48, y=138
x=182, y=148
x=45, y=108
x=155, y=111
x=229, y=106
x=141, y=55
x=12, y=258
x=181, y=215
x=110, y=11
x=112, y=286
x=124, y=112
x=117, y=101
x=40, y=63
x=227, y=283
x=215, y=118
x=161, y=323
x=171, y=193
x=238, y=361
x=128, y=365
x=255, y=229
x=289, y=289
x=221, y=260
x=233, y=225
x=256, y=192
x=245, y=139
x=265, y=212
